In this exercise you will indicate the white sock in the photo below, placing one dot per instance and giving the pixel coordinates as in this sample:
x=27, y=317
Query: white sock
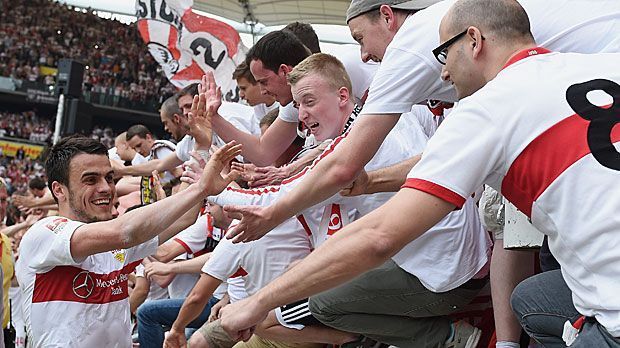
x=507, y=344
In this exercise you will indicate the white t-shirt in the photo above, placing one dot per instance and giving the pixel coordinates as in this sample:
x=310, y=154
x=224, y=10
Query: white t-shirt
x=236, y=289
x=289, y=113
x=162, y=149
x=263, y=260
x=409, y=74
x=536, y=149
x=460, y=233
x=182, y=284
x=156, y=292
x=201, y=237
x=113, y=154
x=64, y=298
x=184, y=148
x=241, y=116
x=138, y=159
x=262, y=109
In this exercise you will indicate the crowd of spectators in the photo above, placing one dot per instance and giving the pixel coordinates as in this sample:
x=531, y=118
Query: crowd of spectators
x=26, y=125
x=35, y=35
x=19, y=168
x=34, y=127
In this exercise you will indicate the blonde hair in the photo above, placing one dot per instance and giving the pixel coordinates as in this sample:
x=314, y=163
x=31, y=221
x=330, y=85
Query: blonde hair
x=326, y=66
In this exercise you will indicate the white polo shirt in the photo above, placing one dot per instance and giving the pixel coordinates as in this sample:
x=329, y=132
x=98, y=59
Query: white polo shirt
x=546, y=157
x=75, y=303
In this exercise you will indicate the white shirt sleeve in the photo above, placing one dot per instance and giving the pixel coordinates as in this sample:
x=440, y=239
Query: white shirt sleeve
x=184, y=147
x=163, y=152
x=52, y=238
x=140, y=270
x=142, y=250
x=404, y=79
x=194, y=237
x=289, y=113
x=225, y=260
x=459, y=158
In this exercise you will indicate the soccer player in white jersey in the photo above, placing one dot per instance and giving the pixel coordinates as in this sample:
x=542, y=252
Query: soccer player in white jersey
x=547, y=166
x=74, y=267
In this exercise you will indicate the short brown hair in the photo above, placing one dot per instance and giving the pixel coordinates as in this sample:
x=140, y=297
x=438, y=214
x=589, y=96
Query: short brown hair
x=325, y=65
x=242, y=71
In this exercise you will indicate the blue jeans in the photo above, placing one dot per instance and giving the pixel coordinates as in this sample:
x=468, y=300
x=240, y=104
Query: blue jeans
x=154, y=316
x=543, y=303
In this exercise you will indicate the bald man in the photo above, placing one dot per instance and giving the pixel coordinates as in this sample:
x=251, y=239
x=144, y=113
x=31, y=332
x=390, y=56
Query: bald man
x=539, y=165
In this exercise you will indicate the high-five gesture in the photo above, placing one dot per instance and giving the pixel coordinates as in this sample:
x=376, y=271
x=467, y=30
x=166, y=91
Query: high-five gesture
x=200, y=122
x=212, y=92
x=212, y=181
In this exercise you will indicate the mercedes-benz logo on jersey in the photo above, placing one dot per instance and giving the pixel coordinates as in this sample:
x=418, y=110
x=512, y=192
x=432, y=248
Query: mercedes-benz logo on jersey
x=83, y=284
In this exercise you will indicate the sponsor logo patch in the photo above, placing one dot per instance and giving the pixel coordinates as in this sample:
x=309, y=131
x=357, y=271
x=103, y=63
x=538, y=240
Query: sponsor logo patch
x=57, y=225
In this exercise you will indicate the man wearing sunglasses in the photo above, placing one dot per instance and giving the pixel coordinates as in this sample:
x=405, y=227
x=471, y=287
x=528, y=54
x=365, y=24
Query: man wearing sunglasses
x=409, y=73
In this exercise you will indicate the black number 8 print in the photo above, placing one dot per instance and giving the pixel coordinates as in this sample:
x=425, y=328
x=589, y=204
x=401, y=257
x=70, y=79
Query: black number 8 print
x=602, y=120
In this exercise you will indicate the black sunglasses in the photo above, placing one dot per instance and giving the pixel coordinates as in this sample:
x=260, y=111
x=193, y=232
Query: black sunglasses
x=441, y=52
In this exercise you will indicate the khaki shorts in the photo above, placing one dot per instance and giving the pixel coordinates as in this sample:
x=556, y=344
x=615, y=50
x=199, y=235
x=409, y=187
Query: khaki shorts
x=215, y=335
x=259, y=342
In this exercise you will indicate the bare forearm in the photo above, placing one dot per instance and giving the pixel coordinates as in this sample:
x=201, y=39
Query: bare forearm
x=138, y=296
x=390, y=179
x=306, y=160
x=196, y=301
x=260, y=151
x=44, y=201
x=182, y=223
x=52, y=206
x=146, y=169
x=190, y=266
x=338, y=169
x=139, y=226
x=359, y=247
x=11, y=230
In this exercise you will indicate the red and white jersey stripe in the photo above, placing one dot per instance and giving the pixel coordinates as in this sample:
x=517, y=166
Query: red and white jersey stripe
x=75, y=303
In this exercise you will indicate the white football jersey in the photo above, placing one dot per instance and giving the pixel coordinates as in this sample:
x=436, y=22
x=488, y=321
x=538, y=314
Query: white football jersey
x=545, y=132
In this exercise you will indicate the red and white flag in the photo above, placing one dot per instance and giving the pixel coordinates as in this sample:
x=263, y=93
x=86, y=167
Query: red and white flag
x=187, y=45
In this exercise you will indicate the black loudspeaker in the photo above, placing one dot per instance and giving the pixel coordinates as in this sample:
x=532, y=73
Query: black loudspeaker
x=69, y=79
